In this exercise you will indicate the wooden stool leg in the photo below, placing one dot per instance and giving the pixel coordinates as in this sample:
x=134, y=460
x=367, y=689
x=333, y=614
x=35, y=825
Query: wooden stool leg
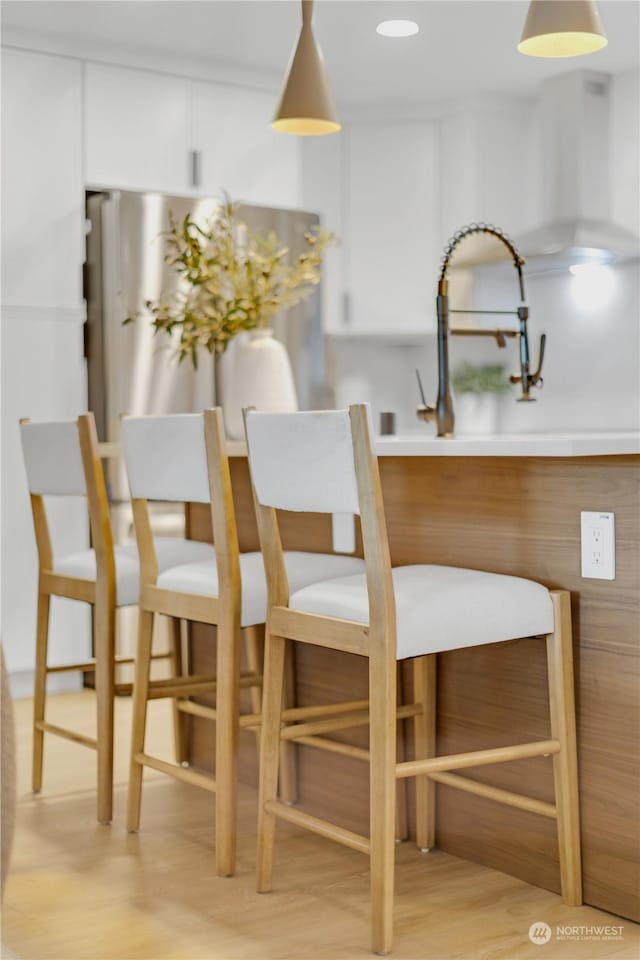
x=254, y=639
x=254, y=665
x=40, y=690
x=382, y=789
x=180, y=719
x=424, y=692
x=288, y=755
x=565, y=763
x=273, y=685
x=227, y=735
x=105, y=651
x=140, y=696
x=402, y=827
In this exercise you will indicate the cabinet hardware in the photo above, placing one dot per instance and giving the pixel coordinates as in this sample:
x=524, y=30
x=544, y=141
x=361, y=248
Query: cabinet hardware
x=195, y=168
x=346, y=308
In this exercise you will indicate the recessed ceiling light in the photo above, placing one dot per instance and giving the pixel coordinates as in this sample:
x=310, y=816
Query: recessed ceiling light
x=397, y=28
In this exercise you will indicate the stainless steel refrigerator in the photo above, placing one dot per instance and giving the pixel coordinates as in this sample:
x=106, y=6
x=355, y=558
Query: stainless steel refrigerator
x=129, y=369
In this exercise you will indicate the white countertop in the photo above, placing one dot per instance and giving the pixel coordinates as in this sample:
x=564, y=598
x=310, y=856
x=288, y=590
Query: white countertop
x=511, y=445
x=498, y=445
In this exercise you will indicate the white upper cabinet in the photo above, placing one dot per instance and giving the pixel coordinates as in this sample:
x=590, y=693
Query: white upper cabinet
x=142, y=129
x=322, y=160
x=137, y=128
x=490, y=166
x=392, y=226
x=238, y=152
x=42, y=189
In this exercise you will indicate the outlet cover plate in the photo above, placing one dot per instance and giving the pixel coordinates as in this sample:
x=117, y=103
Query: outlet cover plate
x=598, y=545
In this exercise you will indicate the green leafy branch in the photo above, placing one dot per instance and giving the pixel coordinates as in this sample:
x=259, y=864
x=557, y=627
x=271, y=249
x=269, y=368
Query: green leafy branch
x=232, y=279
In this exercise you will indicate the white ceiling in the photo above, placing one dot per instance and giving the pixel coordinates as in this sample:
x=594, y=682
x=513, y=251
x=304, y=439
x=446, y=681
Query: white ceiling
x=464, y=46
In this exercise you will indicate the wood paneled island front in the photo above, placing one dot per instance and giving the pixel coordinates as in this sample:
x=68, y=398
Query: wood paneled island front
x=507, y=505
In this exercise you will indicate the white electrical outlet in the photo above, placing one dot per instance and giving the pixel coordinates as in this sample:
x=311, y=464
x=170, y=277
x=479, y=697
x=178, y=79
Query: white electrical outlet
x=598, y=545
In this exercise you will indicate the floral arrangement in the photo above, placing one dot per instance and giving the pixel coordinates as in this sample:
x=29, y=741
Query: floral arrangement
x=488, y=379
x=233, y=279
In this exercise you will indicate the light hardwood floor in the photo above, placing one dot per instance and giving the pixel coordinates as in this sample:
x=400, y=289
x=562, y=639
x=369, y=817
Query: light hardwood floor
x=80, y=891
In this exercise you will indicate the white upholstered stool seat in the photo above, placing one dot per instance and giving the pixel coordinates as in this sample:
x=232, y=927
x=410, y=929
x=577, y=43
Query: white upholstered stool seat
x=439, y=608
x=302, y=569
x=169, y=552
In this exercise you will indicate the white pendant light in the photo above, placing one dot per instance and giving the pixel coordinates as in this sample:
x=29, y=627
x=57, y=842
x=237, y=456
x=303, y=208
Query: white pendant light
x=562, y=28
x=306, y=106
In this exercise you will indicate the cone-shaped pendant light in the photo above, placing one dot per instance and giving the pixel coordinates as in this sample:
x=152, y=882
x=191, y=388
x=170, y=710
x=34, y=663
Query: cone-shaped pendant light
x=562, y=28
x=306, y=107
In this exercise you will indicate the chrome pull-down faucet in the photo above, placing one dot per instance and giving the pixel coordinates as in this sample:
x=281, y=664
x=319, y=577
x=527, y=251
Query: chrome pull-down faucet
x=442, y=410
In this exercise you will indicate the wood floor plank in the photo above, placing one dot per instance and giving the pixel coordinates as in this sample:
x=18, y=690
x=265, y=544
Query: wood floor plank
x=81, y=891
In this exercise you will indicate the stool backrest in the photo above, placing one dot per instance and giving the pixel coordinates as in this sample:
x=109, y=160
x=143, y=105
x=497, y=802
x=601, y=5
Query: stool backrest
x=62, y=459
x=182, y=458
x=303, y=461
x=53, y=459
x=320, y=462
x=166, y=458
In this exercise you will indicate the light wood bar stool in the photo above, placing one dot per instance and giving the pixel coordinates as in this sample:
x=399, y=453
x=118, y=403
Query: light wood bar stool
x=183, y=458
x=62, y=459
x=324, y=461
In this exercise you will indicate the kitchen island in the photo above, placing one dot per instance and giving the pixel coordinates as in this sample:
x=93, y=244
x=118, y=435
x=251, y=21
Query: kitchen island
x=509, y=505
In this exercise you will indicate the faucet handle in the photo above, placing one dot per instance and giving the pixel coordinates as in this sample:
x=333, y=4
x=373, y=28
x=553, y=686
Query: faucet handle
x=426, y=412
x=532, y=379
x=535, y=379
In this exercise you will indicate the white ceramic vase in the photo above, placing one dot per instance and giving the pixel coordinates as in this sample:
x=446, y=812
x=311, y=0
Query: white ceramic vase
x=476, y=413
x=256, y=372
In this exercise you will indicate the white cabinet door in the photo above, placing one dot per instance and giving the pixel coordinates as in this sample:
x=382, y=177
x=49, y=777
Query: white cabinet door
x=322, y=163
x=137, y=129
x=391, y=226
x=491, y=166
x=239, y=152
x=43, y=369
x=42, y=190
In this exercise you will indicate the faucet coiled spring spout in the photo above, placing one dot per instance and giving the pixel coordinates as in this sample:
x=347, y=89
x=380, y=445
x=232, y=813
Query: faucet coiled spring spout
x=473, y=228
x=442, y=411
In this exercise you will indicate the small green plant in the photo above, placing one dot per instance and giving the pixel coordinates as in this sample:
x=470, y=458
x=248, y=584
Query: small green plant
x=488, y=379
x=231, y=279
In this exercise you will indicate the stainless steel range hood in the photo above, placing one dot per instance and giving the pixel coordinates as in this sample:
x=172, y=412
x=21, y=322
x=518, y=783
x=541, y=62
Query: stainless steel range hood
x=577, y=178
